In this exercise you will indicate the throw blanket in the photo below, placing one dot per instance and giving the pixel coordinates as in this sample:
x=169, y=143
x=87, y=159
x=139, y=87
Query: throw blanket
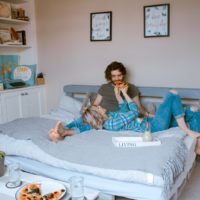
x=93, y=152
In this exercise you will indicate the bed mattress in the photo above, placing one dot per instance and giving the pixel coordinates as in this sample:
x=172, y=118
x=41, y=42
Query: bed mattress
x=108, y=185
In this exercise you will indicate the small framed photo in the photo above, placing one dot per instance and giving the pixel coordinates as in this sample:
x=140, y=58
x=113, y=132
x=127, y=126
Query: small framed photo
x=22, y=37
x=156, y=20
x=101, y=26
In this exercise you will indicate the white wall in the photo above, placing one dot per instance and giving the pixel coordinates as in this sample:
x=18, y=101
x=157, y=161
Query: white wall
x=67, y=56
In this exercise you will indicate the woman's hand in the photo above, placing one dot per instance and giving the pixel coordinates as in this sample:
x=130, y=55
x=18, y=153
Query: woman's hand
x=117, y=91
x=118, y=95
x=124, y=90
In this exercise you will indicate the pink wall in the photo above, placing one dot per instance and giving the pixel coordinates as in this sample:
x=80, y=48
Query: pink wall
x=67, y=56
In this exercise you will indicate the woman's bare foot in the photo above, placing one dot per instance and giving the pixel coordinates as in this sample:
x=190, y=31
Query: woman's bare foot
x=59, y=128
x=54, y=136
x=62, y=131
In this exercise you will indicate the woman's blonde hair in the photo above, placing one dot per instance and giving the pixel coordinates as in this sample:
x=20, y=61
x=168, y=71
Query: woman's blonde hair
x=91, y=116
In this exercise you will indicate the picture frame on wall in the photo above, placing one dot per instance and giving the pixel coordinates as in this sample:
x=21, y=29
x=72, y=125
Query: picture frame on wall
x=101, y=26
x=156, y=20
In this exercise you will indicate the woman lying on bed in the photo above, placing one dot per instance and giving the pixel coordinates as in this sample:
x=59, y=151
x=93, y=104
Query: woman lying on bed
x=170, y=113
x=127, y=117
x=128, y=120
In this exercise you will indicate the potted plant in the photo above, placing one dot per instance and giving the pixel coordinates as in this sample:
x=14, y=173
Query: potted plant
x=2, y=167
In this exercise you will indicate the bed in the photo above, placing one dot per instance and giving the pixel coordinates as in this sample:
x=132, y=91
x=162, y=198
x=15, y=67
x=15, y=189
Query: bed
x=113, y=171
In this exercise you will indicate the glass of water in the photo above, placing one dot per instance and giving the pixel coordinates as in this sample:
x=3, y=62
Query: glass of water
x=77, y=187
x=14, y=176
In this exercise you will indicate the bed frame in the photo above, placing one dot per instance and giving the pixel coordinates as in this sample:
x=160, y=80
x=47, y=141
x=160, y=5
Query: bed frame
x=153, y=94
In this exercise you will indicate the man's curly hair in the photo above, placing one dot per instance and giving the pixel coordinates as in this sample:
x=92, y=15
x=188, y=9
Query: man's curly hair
x=114, y=66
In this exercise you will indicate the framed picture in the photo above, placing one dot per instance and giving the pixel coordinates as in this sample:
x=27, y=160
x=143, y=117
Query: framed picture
x=22, y=37
x=156, y=20
x=101, y=26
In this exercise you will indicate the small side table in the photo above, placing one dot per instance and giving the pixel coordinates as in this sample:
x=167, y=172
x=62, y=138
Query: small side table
x=9, y=194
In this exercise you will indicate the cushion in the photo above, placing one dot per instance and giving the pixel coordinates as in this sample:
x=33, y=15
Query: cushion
x=26, y=73
x=70, y=105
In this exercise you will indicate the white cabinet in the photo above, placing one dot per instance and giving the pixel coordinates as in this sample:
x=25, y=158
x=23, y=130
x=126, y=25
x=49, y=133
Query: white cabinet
x=22, y=103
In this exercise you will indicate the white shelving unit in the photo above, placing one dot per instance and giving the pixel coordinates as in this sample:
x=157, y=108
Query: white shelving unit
x=13, y=21
x=9, y=22
x=16, y=1
x=17, y=46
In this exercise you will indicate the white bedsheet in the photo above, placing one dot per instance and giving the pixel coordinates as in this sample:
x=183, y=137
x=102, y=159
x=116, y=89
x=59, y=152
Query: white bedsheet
x=109, y=186
x=27, y=148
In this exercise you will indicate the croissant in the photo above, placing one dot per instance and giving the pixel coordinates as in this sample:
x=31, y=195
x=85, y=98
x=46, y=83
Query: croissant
x=120, y=84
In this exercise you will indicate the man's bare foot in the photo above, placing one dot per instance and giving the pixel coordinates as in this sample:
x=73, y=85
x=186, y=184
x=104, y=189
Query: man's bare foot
x=194, y=108
x=197, y=149
x=193, y=134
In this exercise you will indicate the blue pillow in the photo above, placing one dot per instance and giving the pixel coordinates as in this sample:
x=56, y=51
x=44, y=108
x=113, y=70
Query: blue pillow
x=27, y=73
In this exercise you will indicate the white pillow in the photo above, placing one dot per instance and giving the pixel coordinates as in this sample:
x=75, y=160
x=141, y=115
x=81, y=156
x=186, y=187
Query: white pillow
x=70, y=105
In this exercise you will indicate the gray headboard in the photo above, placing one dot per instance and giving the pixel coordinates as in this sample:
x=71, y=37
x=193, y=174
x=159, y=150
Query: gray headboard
x=191, y=96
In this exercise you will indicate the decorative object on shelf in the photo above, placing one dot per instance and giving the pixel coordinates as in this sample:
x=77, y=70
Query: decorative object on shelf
x=22, y=37
x=6, y=63
x=5, y=9
x=5, y=36
x=26, y=73
x=2, y=166
x=18, y=13
x=156, y=20
x=101, y=26
x=14, y=35
x=10, y=37
x=40, y=79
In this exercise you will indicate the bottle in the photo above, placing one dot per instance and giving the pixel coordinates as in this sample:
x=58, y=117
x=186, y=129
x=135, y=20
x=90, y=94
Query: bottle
x=147, y=136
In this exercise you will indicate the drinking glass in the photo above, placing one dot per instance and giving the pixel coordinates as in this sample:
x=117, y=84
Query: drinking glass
x=77, y=187
x=14, y=175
